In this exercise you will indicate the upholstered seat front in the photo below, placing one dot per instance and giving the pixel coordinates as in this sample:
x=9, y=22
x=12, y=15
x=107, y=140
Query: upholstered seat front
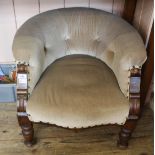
x=73, y=92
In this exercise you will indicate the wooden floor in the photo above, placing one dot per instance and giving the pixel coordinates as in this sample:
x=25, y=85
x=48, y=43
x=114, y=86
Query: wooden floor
x=59, y=141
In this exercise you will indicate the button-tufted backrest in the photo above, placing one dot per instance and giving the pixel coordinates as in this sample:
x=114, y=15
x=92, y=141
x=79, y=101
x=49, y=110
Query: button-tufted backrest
x=84, y=31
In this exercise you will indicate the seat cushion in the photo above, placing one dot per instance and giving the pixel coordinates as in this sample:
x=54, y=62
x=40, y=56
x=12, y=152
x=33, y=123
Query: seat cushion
x=78, y=91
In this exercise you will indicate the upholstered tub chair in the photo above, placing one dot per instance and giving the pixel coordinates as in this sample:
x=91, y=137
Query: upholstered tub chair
x=78, y=68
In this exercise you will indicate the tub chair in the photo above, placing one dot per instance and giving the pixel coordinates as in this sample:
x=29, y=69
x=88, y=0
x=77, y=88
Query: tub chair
x=78, y=68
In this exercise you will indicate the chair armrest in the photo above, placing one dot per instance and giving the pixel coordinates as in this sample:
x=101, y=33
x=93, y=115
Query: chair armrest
x=30, y=51
x=129, y=52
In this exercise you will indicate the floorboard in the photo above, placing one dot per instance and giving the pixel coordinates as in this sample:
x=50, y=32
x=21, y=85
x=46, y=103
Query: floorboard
x=53, y=140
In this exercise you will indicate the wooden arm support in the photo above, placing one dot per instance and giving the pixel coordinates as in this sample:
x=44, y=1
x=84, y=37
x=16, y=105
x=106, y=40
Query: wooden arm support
x=134, y=93
x=22, y=88
x=134, y=111
x=22, y=97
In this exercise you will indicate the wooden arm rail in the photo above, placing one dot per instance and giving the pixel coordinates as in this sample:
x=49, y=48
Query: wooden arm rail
x=22, y=97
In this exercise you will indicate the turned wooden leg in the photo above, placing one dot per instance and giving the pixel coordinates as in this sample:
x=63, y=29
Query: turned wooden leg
x=22, y=98
x=27, y=129
x=134, y=111
x=126, y=132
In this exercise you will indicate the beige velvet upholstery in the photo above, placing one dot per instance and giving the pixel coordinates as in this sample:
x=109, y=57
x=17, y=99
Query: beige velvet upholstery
x=78, y=91
x=57, y=33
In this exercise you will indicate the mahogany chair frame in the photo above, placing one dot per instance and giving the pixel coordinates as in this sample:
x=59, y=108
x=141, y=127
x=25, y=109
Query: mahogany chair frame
x=126, y=129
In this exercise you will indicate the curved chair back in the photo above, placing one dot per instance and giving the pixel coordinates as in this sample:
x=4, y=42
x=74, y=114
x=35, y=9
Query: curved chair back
x=54, y=34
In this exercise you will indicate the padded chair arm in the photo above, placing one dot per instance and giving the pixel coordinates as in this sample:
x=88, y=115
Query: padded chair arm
x=122, y=72
x=30, y=51
x=129, y=52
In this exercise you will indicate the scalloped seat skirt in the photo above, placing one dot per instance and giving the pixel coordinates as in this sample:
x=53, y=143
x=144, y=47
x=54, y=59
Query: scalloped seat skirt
x=78, y=91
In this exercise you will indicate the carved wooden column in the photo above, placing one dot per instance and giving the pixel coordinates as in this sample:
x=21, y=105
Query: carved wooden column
x=22, y=96
x=134, y=112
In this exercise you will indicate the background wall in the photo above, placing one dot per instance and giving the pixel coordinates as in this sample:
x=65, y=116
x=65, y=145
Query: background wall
x=143, y=18
x=13, y=13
